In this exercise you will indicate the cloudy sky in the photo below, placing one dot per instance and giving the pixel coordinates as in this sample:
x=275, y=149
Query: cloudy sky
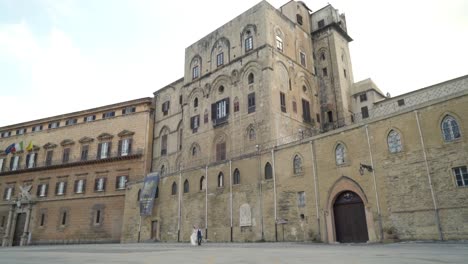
x=59, y=56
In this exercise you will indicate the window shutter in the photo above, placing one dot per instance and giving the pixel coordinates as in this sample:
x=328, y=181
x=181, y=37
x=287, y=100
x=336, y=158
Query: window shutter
x=109, y=149
x=227, y=106
x=213, y=111
x=96, y=184
x=84, y=185
x=75, y=187
x=35, y=160
x=27, y=160
x=5, y=193
x=46, y=189
x=119, y=151
x=12, y=159
x=130, y=146
x=12, y=191
x=99, y=150
x=117, y=182
x=57, y=187
x=104, y=184
x=191, y=122
x=64, y=188
x=38, y=192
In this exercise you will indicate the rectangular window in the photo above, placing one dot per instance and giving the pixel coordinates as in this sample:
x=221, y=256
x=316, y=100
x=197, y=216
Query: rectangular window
x=70, y=122
x=66, y=155
x=236, y=106
x=165, y=108
x=365, y=112
x=301, y=199
x=42, y=219
x=306, y=111
x=164, y=145
x=195, y=123
x=100, y=184
x=9, y=192
x=220, y=59
x=303, y=58
x=80, y=186
x=6, y=134
x=37, y=128
x=180, y=99
x=21, y=131
x=363, y=97
x=98, y=217
x=60, y=188
x=64, y=218
x=325, y=72
x=221, y=151
x=49, y=157
x=125, y=146
x=279, y=43
x=461, y=176
x=89, y=118
x=104, y=150
x=195, y=72
x=42, y=190
x=283, y=102
x=84, y=152
x=120, y=182
x=31, y=159
x=299, y=19
x=248, y=44
x=108, y=114
x=14, y=162
x=321, y=23
x=251, y=103
x=53, y=125
x=401, y=102
x=128, y=110
x=330, y=116
x=220, y=111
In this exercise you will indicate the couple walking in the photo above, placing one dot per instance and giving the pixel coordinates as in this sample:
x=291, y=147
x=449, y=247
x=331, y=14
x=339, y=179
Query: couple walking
x=196, y=236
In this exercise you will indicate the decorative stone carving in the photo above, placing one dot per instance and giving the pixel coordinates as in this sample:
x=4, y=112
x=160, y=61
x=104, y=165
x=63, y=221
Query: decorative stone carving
x=245, y=218
x=49, y=145
x=126, y=133
x=67, y=142
x=86, y=140
x=105, y=136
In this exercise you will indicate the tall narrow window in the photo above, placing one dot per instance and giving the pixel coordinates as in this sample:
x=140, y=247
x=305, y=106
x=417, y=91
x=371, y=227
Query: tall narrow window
x=66, y=155
x=301, y=199
x=64, y=218
x=202, y=183
x=31, y=159
x=42, y=219
x=14, y=163
x=394, y=142
x=194, y=123
x=186, y=186
x=303, y=58
x=248, y=44
x=297, y=164
x=251, y=103
x=100, y=184
x=450, y=128
x=195, y=102
x=236, y=178
x=8, y=194
x=195, y=72
x=1, y=164
x=268, y=171
x=80, y=186
x=279, y=43
x=84, y=152
x=325, y=72
x=340, y=154
x=104, y=150
x=125, y=146
x=236, y=104
x=330, y=116
x=165, y=108
x=42, y=190
x=174, y=188
x=163, y=145
x=221, y=151
x=365, y=112
x=98, y=217
x=306, y=111
x=251, y=78
x=294, y=106
x=461, y=176
x=60, y=188
x=220, y=59
x=252, y=135
x=283, y=102
x=220, y=179
x=121, y=181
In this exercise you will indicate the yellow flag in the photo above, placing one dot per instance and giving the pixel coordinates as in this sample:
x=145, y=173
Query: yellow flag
x=30, y=146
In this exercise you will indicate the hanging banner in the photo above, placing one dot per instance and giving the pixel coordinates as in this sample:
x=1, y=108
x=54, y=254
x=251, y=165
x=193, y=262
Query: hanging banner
x=147, y=193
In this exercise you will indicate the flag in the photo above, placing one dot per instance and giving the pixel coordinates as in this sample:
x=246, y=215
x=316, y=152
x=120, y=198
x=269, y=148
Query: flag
x=30, y=146
x=10, y=148
x=18, y=147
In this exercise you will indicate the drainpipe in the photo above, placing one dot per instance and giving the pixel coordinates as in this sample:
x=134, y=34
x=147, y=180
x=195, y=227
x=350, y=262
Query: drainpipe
x=179, y=214
x=206, y=202
x=230, y=191
x=261, y=193
x=274, y=192
x=375, y=184
x=436, y=209
x=314, y=172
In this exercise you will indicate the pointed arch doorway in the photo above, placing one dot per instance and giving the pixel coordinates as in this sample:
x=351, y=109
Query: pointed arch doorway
x=350, y=218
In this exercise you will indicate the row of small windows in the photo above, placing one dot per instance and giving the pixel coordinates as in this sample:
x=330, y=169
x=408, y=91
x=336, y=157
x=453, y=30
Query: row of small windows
x=202, y=185
x=79, y=187
x=97, y=216
x=68, y=122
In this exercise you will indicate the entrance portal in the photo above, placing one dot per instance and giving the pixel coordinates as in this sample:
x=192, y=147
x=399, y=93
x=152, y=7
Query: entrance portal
x=19, y=229
x=350, y=218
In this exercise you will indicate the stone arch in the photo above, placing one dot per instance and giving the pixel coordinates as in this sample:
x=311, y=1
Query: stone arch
x=250, y=30
x=221, y=45
x=297, y=168
x=346, y=157
x=220, y=138
x=301, y=79
x=248, y=132
x=284, y=78
x=164, y=131
x=457, y=118
x=341, y=185
x=163, y=165
x=196, y=92
x=250, y=67
x=197, y=148
x=387, y=133
x=196, y=61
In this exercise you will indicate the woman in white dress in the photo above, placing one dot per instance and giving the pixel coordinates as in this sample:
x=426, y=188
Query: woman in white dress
x=193, y=237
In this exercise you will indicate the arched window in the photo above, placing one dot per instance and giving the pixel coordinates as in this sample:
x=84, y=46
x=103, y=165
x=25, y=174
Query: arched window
x=195, y=102
x=156, y=194
x=202, y=183
x=194, y=151
x=394, y=142
x=268, y=171
x=186, y=186
x=236, y=178
x=297, y=163
x=162, y=170
x=251, y=78
x=340, y=154
x=220, y=179
x=174, y=188
x=252, y=134
x=236, y=104
x=450, y=128
x=139, y=194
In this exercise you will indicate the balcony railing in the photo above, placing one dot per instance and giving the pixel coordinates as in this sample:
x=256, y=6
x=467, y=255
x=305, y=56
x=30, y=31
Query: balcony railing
x=73, y=160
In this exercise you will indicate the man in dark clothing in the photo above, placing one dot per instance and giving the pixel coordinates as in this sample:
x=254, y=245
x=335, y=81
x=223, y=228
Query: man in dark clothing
x=199, y=236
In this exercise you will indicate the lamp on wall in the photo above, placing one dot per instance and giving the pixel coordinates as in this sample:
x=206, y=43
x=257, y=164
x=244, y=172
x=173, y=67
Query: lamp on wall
x=364, y=166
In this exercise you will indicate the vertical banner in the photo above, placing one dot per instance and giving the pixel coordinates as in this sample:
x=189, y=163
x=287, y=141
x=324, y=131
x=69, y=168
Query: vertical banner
x=147, y=193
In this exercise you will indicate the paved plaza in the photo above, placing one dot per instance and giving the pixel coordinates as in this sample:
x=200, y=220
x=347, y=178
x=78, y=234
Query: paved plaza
x=274, y=253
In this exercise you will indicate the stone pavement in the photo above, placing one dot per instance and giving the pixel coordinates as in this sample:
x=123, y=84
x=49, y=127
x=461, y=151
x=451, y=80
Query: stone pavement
x=211, y=253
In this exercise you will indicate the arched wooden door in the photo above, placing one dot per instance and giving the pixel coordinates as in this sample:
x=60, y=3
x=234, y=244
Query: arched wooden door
x=350, y=218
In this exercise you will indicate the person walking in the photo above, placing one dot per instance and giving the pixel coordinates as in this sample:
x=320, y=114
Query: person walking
x=199, y=236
